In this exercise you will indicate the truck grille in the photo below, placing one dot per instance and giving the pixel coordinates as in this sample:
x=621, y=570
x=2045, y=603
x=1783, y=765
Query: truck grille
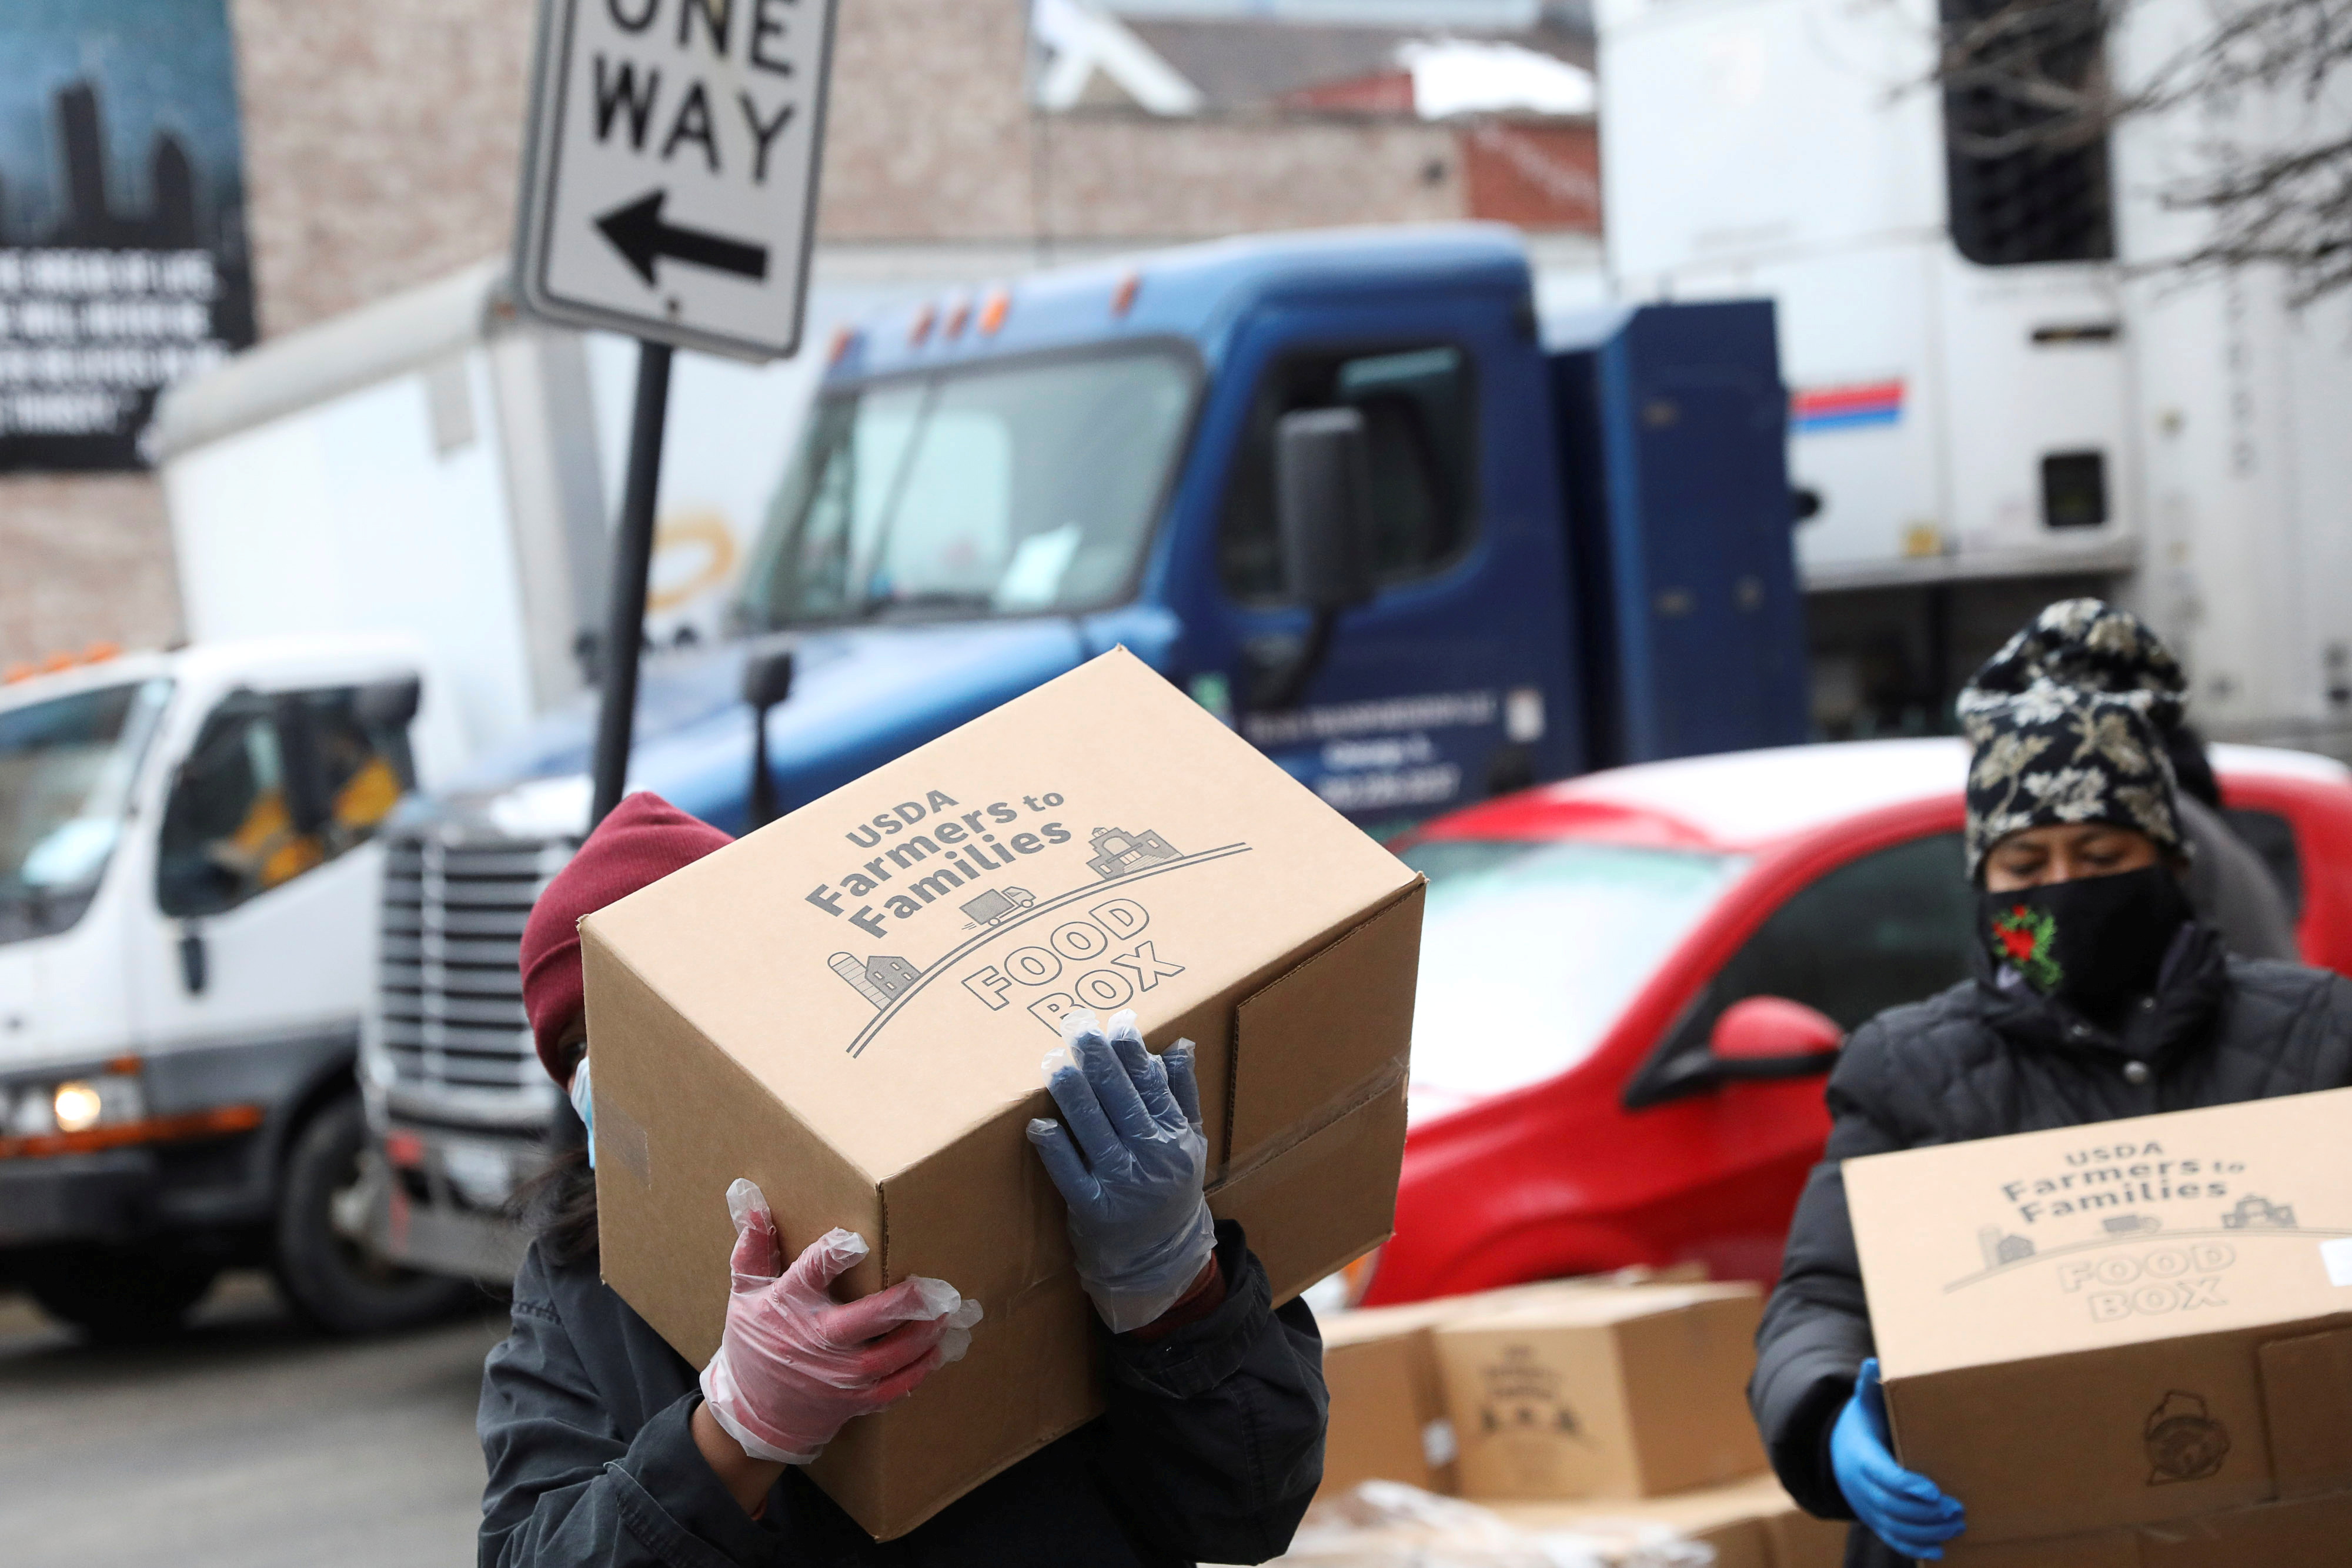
x=453, y=918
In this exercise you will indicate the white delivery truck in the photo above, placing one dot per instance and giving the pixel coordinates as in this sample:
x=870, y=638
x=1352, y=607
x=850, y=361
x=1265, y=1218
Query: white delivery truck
x=188, y=889
x=390, y=533
x=1997, y=400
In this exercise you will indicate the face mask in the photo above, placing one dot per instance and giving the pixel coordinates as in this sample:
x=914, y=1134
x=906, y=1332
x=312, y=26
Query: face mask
x=586, y=1103
x=2093, y=943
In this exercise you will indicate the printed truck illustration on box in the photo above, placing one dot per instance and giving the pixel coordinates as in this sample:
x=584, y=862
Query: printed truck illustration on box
x=996, y=903
x=1119, y=851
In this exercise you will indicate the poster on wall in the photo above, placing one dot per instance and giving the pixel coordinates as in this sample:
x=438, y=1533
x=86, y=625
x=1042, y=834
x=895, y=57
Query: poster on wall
x=123, y=264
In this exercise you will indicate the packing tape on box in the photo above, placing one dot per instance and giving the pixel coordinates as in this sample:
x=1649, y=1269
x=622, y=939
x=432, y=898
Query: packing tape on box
x=621, y=1139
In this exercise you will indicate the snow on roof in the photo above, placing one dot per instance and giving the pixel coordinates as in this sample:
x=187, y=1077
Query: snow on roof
x=1459, y=76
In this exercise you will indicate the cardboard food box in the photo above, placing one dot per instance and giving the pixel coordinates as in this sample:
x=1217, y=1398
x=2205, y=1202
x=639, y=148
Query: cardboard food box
x=850, y=1006
x=1604, y=1393
x=2307, y=1532
x=1388, y=1420
x=1751, y=1523
x=2121, y=1324
x=1389, y=1417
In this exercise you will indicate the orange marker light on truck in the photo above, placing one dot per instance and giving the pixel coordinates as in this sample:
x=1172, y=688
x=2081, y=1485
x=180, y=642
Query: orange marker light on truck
x=993, y=310
x=1122, y=299
x=959, y=315
x=925, y=319
x=188, y=1124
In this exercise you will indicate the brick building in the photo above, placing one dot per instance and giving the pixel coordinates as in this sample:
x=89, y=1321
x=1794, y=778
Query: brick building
x=381, y=142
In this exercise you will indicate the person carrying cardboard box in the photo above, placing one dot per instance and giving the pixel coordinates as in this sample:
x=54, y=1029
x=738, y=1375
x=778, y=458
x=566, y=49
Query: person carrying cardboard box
x=2099, y=995
x=603, y=1448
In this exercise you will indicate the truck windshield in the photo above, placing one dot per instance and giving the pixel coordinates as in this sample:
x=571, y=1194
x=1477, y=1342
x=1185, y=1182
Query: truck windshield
x=67, y=767
x=1530, y=951
x=1007, y=490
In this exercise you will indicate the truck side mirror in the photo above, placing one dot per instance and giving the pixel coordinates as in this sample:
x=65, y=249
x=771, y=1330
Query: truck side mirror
x=766, y=680
x=1323, y=515
x=309, y=802
x=1772, y=1036
x=1323, y=505
x=388, y=705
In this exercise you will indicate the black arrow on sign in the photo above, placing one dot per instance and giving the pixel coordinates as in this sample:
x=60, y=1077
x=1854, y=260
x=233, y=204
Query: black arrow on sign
x=639, y=232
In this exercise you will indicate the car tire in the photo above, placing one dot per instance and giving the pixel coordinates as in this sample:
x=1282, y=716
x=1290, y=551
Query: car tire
x=331, y=1280
x=117, y=1295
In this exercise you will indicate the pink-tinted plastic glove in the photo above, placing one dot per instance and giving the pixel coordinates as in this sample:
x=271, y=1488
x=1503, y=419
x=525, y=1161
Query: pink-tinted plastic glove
x=794, y=1365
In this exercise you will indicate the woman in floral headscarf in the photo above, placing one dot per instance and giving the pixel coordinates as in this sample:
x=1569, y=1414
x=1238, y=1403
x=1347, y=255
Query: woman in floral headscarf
x=2099, y=994
x=2093, y=646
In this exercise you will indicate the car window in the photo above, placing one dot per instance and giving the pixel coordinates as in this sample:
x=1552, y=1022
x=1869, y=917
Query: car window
x=1420, y=432
x=1530, y=951
x=1893, y=926
x=276, y=786
x=2271, y=836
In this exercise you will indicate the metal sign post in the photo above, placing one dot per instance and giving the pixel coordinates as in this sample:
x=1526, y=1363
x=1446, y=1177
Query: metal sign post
x=633, y=559
x=669, y=193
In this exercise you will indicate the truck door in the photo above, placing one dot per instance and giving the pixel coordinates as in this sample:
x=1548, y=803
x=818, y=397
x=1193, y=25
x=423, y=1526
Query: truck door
x=258, y=950
x=1685, y=570
x=1450, y=685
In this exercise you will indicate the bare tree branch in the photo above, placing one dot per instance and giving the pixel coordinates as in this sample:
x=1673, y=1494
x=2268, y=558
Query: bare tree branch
x=2029, y=80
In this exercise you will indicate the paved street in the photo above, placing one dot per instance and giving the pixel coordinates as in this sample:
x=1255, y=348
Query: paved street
x=251, y=1443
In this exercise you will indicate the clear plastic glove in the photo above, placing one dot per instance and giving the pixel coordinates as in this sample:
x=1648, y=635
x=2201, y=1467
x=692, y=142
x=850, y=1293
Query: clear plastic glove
x=1907, y=1511
x=1138, y=1223
x=794, y=1365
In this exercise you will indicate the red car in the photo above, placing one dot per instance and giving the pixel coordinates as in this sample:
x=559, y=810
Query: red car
x=1633, y=984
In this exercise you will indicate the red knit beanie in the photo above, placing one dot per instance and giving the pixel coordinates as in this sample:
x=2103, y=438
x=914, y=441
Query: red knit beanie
x=644, y=839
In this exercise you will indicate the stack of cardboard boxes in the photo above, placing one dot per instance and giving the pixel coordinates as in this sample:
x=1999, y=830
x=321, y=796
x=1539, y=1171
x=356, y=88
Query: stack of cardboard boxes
x=1591, y=1408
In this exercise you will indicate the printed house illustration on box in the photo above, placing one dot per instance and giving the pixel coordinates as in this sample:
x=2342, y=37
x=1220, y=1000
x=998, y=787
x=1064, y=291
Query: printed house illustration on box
x=1119, y=851
x=878, y=980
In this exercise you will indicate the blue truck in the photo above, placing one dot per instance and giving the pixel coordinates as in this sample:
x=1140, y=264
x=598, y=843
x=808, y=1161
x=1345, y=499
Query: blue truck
x=1345, y=490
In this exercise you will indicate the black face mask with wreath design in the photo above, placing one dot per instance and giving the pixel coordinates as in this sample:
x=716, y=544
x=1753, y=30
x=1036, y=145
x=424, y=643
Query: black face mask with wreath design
x=2094, y=942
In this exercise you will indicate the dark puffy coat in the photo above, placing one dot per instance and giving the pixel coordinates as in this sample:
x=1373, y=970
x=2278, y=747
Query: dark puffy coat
x=1977, y=1061
x=1211, y=1446
x=2230, y=889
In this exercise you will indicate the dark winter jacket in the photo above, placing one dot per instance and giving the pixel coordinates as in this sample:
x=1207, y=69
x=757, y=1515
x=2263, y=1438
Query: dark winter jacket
x=1979, y=1060
x=2230, y=889
x=1210, y=1448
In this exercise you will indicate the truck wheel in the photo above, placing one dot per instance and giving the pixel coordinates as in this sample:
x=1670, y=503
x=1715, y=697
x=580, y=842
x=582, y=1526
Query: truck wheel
x=117, y=1295
x=331, y=1278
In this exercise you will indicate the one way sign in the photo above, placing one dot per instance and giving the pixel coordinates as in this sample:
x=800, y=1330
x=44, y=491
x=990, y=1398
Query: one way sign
x=669, y=187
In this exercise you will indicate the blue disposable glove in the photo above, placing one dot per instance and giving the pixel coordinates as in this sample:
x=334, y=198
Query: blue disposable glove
x=1138, y=1225
x=1907, y=1511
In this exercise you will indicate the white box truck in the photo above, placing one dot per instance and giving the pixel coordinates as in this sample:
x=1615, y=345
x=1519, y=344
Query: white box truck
x=1998, y=397
x=390, y=535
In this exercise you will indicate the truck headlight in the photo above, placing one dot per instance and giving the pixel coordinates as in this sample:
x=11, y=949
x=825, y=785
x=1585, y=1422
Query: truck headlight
x=74, y=1105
